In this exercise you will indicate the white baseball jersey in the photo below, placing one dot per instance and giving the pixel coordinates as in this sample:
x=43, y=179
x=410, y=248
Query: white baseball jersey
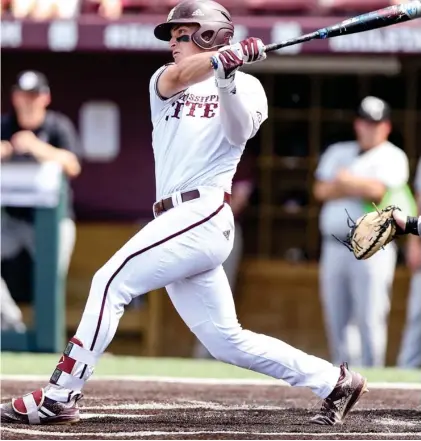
x=189, y=145
x=386, y=163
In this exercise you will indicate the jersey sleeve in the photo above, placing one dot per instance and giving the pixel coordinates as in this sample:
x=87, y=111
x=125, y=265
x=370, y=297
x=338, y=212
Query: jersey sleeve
x=328, y=164
x=394, y=170
x=157, y=101
x=254, y=95
x=66, y=136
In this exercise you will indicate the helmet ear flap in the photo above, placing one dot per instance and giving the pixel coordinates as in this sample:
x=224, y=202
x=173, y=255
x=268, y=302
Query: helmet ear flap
x=213, y=35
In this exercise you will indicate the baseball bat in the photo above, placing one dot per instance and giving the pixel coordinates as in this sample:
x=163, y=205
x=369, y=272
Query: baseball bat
x=361, y=23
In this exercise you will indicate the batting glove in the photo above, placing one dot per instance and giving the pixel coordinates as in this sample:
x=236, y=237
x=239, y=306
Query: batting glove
x=225, y=64
x=249, y=50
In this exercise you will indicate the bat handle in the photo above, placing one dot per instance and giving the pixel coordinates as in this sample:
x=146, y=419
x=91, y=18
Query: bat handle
x=272, y=47
x=292, y=41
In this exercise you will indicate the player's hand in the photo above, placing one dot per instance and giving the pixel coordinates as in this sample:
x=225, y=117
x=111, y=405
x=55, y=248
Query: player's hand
x=249, y=50
x=23, y=141
x=6, y=150
x=225, y=64
x=400, y=219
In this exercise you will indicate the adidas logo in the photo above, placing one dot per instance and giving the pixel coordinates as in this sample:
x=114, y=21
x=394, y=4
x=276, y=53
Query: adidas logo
x=227, y=234
x=197, y=13
x=170, y=15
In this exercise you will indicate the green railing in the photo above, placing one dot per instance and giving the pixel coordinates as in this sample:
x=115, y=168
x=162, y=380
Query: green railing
x=47, y=331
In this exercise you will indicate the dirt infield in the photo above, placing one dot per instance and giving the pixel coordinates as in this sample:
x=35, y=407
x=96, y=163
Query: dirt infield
x=160, y=410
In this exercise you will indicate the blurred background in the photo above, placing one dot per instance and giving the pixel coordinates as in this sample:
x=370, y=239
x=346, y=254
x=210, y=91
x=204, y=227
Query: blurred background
x=97, y=57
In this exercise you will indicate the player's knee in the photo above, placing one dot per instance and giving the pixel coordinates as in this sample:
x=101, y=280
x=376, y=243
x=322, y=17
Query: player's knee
x=227, y=345
x=99, y=280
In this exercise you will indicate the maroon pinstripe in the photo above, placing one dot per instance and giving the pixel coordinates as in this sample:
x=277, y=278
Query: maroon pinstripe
x=131, y=256
x=178, y=233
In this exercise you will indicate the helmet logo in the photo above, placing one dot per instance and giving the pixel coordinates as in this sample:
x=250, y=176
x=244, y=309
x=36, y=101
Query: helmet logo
x=197, y=13
x=170, y=15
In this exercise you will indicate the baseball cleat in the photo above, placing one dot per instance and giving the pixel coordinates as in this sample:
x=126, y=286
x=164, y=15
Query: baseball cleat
x=349, y=389
x=36, y=408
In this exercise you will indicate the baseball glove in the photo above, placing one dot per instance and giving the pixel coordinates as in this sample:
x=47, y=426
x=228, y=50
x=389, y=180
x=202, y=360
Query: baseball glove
x=371, y=232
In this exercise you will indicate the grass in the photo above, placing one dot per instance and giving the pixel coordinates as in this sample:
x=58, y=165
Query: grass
x=43, y=364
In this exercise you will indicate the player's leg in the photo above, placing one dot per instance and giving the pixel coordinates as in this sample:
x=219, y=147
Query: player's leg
x=206, y=305
x=335, y=296
x=410, y=351
x=231, y=266
x=371, y=285
x=163, y=251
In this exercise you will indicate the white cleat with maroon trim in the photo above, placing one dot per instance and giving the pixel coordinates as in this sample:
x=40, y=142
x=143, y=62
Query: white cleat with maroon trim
x=36, y=408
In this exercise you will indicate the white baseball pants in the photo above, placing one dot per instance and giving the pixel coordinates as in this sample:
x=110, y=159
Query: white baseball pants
x=357, y=291
x=410, y=352
x=183, y=249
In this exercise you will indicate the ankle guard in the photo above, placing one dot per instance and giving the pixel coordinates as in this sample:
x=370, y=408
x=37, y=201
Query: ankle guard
x=74, y=357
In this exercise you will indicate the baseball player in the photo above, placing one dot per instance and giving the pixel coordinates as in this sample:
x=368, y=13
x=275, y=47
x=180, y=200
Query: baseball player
x=349, y=177
x=203, y=111
x=410, y=352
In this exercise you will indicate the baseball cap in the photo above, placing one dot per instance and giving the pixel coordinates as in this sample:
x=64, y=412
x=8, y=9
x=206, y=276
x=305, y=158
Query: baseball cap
x=32, y=81
x=374, y=109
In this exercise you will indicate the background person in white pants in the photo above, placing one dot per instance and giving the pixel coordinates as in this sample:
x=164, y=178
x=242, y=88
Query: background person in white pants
x=349, y=177
x=410, y=351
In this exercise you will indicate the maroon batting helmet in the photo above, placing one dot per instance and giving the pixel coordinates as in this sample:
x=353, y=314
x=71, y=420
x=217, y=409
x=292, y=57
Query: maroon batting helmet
x=215, y=25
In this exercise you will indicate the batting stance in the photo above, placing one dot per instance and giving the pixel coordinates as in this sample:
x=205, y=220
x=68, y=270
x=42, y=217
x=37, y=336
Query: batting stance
x=203, y=112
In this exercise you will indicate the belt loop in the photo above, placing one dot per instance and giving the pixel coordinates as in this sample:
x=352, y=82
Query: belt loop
x=176, y=198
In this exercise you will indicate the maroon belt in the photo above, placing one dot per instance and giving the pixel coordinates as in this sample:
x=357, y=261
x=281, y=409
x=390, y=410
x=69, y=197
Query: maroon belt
x=166, y=204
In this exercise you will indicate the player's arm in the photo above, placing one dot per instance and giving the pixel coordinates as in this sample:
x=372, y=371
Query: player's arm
x=239, y=118
x=25, y=141
x=324, y=187
x=351, y=185
x=327, y=190
x=69, y=147
x=391, y=172
x=189, y=71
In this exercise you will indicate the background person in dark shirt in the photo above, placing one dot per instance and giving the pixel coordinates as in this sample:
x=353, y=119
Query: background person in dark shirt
x=32, y=133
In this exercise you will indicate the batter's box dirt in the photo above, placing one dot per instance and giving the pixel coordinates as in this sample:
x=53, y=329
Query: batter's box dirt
x=155, y=410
